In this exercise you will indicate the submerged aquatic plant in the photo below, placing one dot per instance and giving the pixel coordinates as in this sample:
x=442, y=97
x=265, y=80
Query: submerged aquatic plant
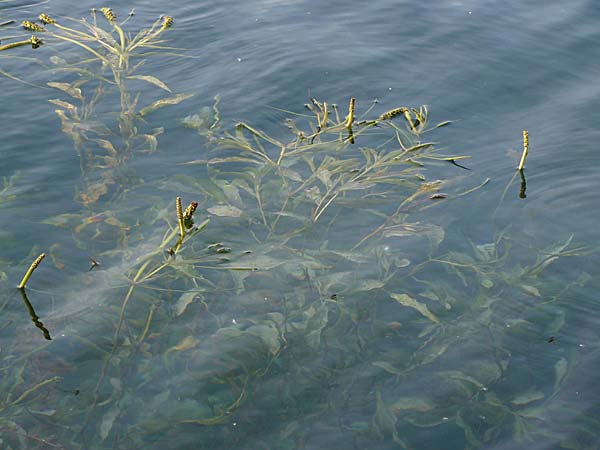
x=282, y=311
x=269, y=305
x=108, y=48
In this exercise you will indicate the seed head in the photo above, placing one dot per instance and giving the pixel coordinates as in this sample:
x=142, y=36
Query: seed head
x=35, y=42
x=190, y=210
x=32, y=26
x=188, y=215
x=167, y=22
x=178, y=208
x=45, y=18
x=392, y=113
x=350, y=117
x=109, y=14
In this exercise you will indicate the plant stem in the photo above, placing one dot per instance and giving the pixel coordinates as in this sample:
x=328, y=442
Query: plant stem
x=31, y=269
x=15, y=44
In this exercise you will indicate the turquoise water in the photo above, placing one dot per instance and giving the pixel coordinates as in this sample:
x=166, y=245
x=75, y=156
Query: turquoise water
x=466, y=321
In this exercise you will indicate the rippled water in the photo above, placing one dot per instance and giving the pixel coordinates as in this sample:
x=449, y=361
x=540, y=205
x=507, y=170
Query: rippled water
x=502, y=366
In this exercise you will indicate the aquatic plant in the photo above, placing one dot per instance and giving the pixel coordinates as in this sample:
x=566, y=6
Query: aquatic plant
x=107, y=47
x=7, y=192
x=281, y=311
x=525, y=149
x=179, y=314
x=29, y=272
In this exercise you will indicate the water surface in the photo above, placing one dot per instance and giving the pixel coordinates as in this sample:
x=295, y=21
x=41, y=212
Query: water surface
x=321, y=345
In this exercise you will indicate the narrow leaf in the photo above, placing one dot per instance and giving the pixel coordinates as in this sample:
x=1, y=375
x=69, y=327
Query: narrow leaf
x=152, y=80
x=66, y=87
x=175, y=100
x=225, y=211
x=410, y=302
x=108, y=421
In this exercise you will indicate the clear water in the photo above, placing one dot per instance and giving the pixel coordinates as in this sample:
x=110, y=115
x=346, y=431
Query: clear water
x=311, y=350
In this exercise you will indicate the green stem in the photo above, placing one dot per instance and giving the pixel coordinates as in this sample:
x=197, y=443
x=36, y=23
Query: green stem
x=15, y=44
x=29, y=272
x=147, y=327
x=85, y=47
x=31, y=390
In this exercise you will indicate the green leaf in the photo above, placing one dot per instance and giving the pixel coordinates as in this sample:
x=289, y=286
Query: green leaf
x=531, y=290
x=560, y=370
x=184, y=300
x=225, y=211
x=433, y=351
x=318, y=318
x=460, y=376
x=291, y=174
x=74, y=92
x=108, y=421
x=410, y=302
x=368, y=285
x=384, y=421
x=66, y=105
x=434, y=232
x=232, y=193
x=527, y=397
x=268, y=334
x=443, y=124
x=175, y=100
x=63, y=220
x=152, y=80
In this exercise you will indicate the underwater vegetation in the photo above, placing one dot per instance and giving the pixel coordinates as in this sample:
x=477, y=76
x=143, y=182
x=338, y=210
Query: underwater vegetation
x=260, y=315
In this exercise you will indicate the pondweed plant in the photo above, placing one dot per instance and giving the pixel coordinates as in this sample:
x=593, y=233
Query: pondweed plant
x=112, y=61
x=31, y=269
x=270, y=314
x=273, y=171
x=283, y=315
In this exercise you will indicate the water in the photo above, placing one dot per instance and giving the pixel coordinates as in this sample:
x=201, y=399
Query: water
x=321, y=346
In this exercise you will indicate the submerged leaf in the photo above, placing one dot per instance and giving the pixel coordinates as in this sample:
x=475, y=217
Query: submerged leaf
x=527, y=397
x=225, y=211
x=66, y=105
x=186, y=343
x=434, y=232
x=531, y=290
x=560, y=370
x=268, y=334
x=108, y=421
x=318, y=318
x=410, y=302
x=74, y=92
x=176, y=99
x=384, y=421
x=412, y=404
x=63, y=220
x=186, y=299
x=150, y=79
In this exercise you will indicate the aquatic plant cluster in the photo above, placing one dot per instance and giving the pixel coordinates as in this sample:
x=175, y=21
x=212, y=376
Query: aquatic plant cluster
x=259, y=316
